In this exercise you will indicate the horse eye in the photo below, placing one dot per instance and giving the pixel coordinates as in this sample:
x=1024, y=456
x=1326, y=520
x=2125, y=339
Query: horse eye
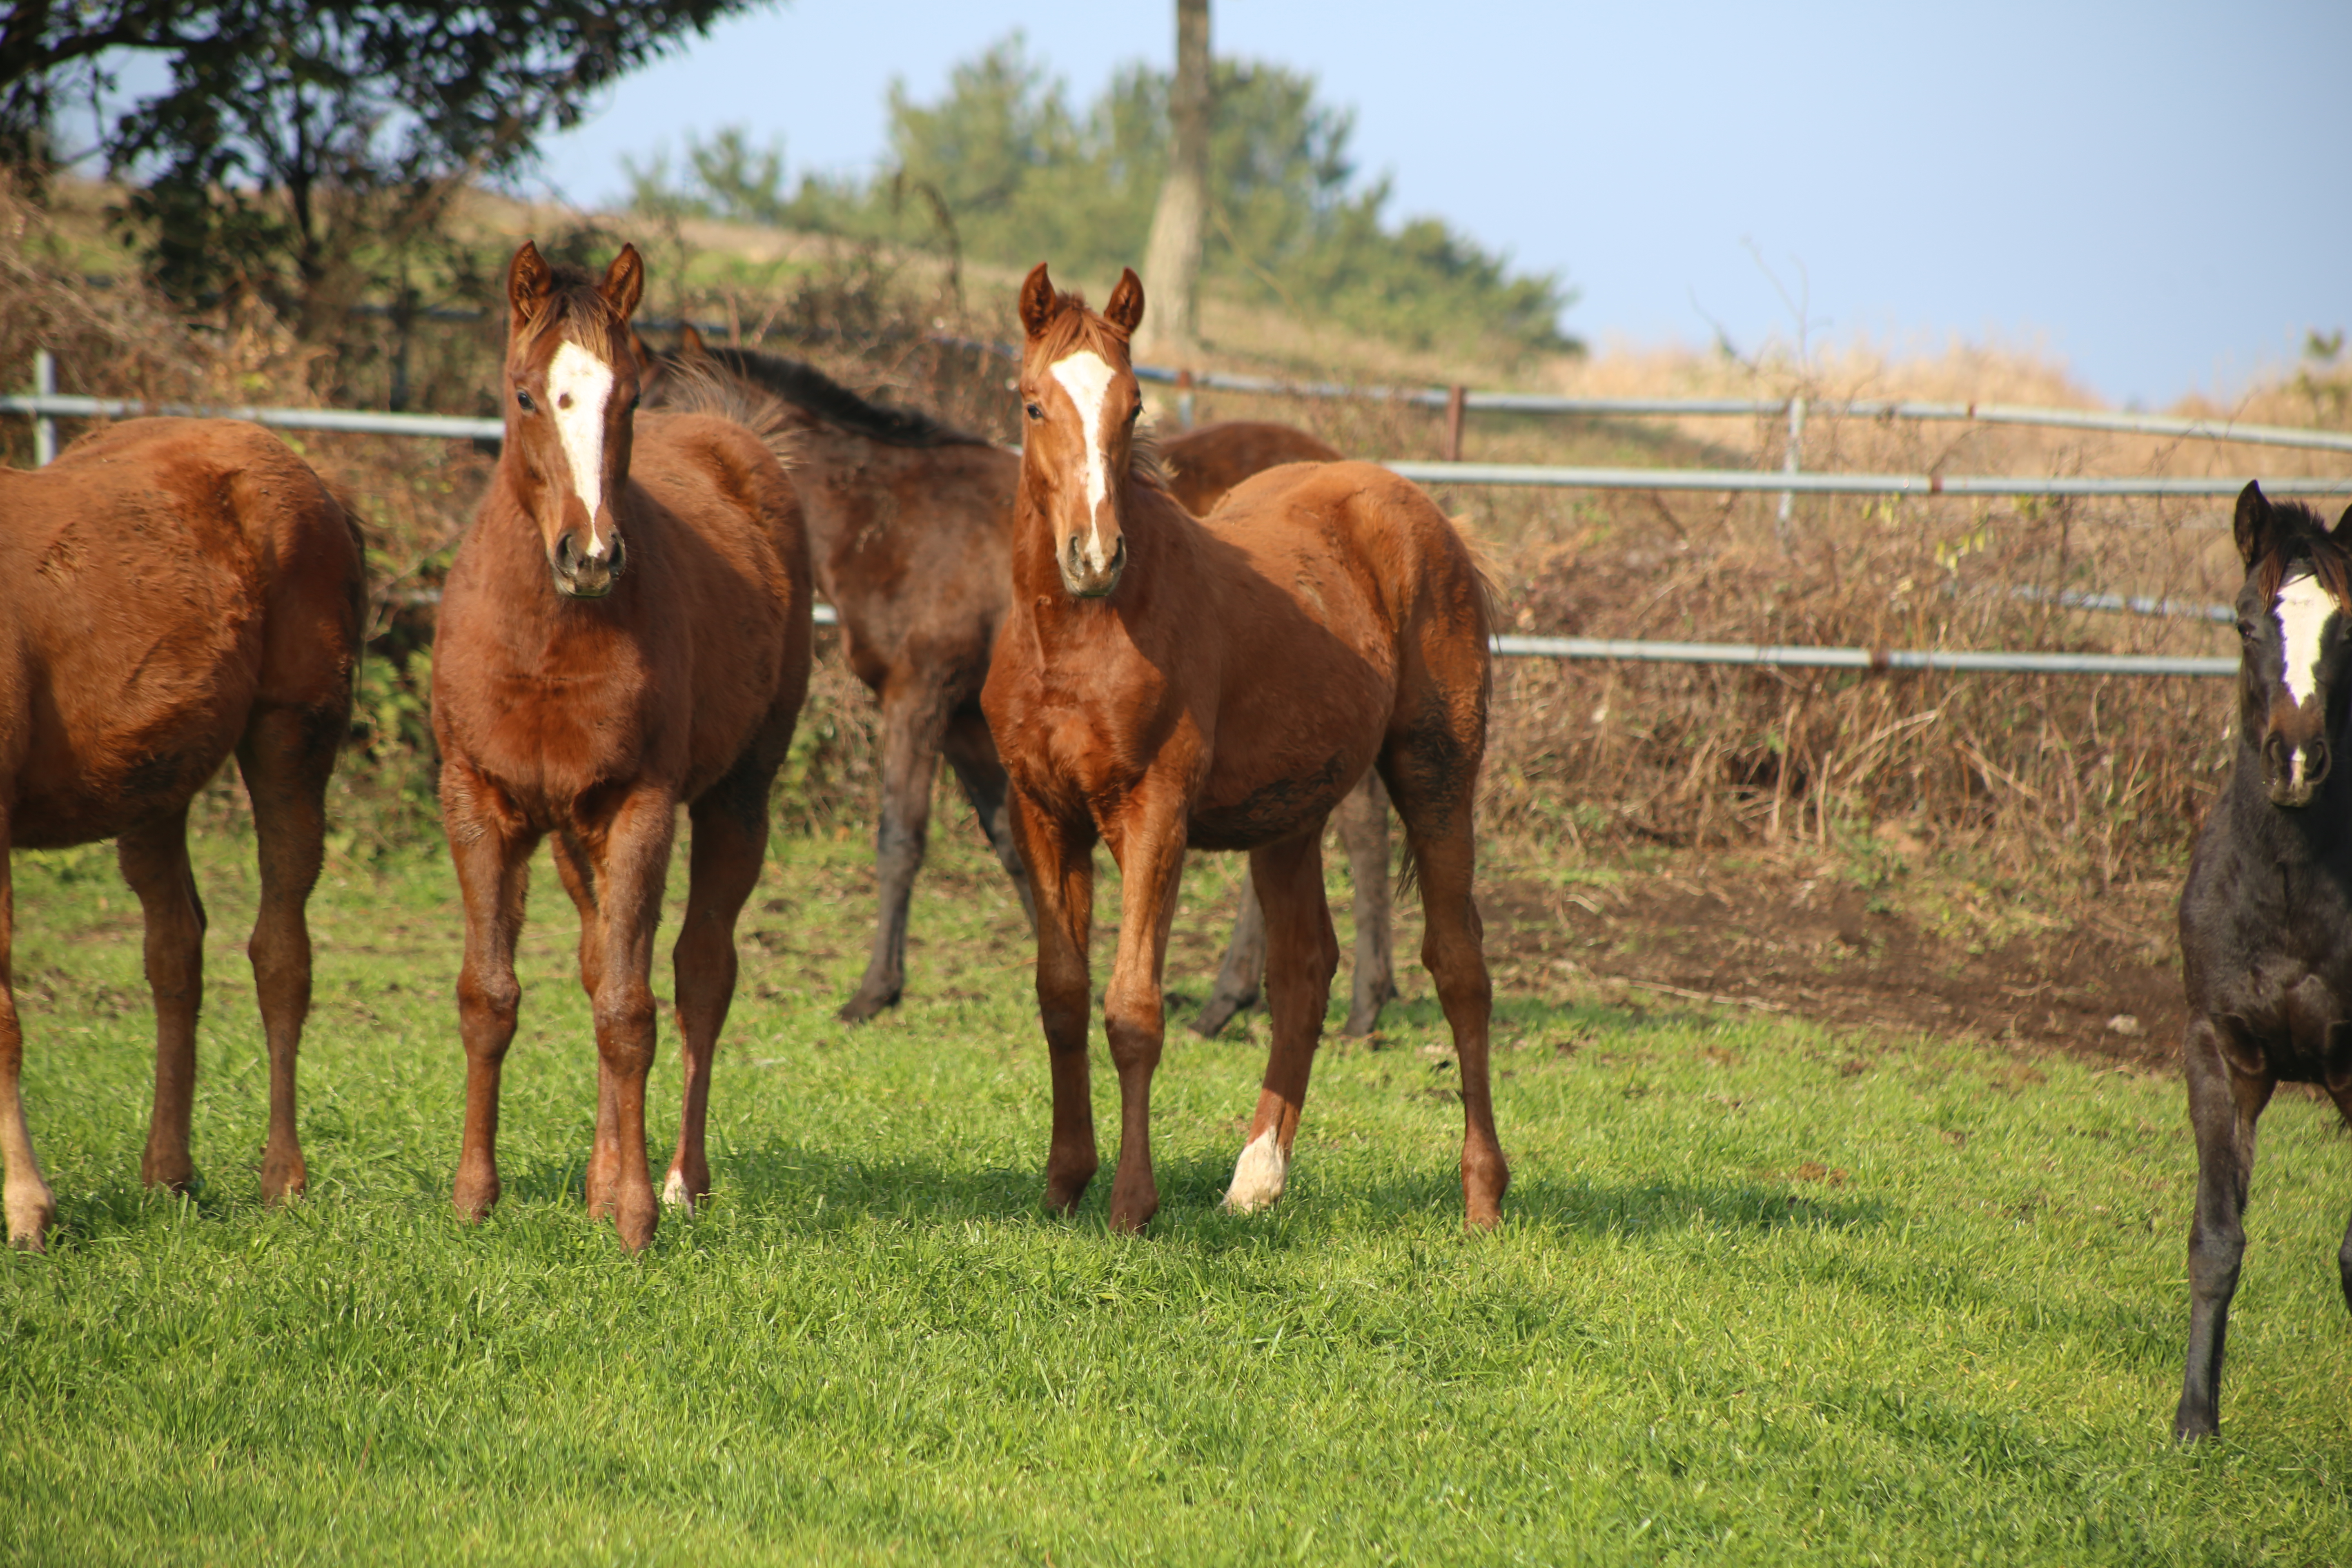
x=1133, y=412
x=2246, y=630
x=523, y=402
x=1034, y=411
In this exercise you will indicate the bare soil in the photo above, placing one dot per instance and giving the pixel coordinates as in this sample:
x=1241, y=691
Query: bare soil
x=1790, y=936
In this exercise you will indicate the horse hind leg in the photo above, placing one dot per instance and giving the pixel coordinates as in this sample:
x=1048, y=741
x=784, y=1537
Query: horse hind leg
x=913, y=716
x=1364, y=829
x=1238, y=978
x=1302, y=954
x=286, y=756
x=24, y=1194
x=155, y=862
x=970, y=751
x=730, y=837
x=1436, y=807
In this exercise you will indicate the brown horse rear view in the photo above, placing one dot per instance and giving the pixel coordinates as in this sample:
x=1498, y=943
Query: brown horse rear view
x=625, y=630
x=1224, y=682
x=174, y=590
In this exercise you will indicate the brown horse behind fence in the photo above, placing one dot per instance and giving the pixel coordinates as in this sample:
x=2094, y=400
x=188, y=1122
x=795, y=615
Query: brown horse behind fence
x=1225, y=683
x=174, y=590
x=625, y=631
x=911, y=529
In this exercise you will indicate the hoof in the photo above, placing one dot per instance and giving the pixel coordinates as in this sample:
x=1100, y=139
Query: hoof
x=636, y=1221
x=1219, y=1012
x=283, y=1181
x=678, y=1193
x=2194, y=1426
x=1132, y=1207
x=864, y=1005
x=1259, y=1175
x=173, y=1171
x=474, y=1197
x=29, y=1220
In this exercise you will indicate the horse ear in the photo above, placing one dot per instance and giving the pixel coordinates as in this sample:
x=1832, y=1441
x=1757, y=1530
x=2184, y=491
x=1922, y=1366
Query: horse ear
x=2253, y=526
x=1036, y=300
x=624, y=283
x=1125, y=309
x=690, y=344
x=2342, y=532
x=529, y=280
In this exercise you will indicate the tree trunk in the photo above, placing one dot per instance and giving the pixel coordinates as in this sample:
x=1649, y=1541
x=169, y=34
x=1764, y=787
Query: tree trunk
x=1171, y=264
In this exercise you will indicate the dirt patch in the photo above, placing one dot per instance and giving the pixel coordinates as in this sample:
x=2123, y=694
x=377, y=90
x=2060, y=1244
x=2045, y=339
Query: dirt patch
x=1784, y=938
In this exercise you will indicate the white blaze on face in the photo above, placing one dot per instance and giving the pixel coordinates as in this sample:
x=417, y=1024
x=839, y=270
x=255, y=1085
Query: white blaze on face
x=2304, y=608
x=1258, y=1175
x=579, y=385
x=1087, y=377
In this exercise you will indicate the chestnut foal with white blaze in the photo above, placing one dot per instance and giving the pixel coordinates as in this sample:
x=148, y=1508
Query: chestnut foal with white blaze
x=1160, y=681
x=625, y=630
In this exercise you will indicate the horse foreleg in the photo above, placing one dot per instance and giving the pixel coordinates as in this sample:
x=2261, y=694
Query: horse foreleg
x=913, y=715
x=633, y=856
x=1364, y=829
x=24, y=1194
x=1236, y=985
x=730, y=836
x=1149, y=845
x=155, y=862
x=1302, y=954
x=1061, y=871
x=287, y=755
x=971, y=752
x=1453, y=949
x=2224, y=1105
x=490, y=847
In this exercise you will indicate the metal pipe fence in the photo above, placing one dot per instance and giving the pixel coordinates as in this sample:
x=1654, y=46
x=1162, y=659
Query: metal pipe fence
x=45, y=405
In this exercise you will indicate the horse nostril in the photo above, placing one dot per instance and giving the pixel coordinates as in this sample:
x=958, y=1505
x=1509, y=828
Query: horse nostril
x=620, y=555
x=567, y=557
x=2317, y=752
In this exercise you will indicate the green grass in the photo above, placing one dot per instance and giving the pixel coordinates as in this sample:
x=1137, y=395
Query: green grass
x=1765, y=1293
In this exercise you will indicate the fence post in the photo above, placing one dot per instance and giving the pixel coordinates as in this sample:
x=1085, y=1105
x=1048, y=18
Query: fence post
x=1185, y=400
x=1456, y=406
x=1790, y=465
x=45, y=429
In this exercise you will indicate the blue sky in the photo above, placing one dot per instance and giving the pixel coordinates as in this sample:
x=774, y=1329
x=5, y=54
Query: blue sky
x=2155, y=194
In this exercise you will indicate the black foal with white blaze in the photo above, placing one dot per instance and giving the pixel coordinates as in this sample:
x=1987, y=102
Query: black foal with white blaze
x=2267, y=918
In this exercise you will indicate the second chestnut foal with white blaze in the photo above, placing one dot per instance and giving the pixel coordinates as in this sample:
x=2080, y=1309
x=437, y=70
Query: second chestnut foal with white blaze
x=625, y=631
x=1160, y=680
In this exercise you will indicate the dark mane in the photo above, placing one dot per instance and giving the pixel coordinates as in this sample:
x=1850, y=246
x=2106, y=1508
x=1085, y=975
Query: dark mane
x=2304, y=537
x=812, y=391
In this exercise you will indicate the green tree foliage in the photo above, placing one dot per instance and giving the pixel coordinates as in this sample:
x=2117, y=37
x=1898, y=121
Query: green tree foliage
x=299, y=141
x=1002, y=168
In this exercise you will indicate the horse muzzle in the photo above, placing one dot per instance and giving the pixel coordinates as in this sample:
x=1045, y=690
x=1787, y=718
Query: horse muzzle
x=581, y=576
x=2295, y=770
x=1084, y=577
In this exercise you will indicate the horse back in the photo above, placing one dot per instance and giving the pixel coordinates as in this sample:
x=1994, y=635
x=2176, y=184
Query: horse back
x=912, y=546
x=160, y=580
x=1205, y=463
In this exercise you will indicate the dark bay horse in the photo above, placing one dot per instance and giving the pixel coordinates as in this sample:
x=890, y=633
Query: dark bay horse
x=2266, y=916
x=1163, y=680
x=625, y=631
x=172, y=591
x=910, y=536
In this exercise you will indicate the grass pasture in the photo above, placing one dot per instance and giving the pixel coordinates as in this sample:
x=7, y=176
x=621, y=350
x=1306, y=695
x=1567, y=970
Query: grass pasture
x=1764, y=1293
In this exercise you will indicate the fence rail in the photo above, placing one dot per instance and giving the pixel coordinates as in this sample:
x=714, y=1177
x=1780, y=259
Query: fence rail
x=353, y=421
x=47, y=405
